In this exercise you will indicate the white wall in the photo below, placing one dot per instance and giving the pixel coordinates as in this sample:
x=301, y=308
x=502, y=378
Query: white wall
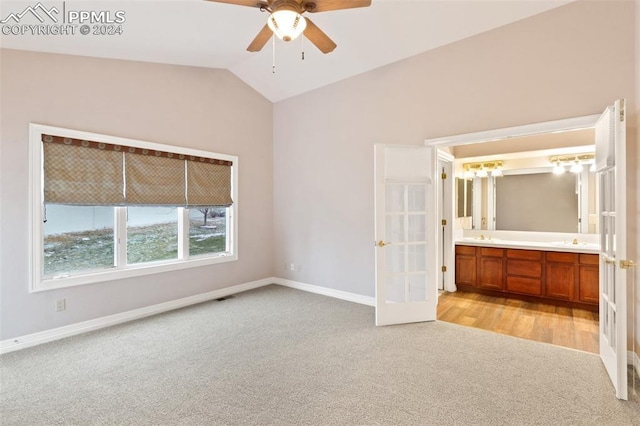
x=568, y=62
x=197, y=108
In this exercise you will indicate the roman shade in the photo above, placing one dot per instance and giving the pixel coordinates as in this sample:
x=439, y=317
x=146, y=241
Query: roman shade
x=85, y=172
x=154, y=180
x=208, y=184
x=80, y=172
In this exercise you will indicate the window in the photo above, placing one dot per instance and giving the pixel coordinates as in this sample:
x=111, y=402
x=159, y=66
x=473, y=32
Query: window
x=105, y=208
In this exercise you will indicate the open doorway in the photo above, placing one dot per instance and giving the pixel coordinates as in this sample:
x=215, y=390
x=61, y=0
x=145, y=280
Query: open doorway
x=510, y=300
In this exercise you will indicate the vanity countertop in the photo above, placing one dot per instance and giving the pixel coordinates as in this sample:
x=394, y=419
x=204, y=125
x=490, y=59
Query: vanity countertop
x=561, y=246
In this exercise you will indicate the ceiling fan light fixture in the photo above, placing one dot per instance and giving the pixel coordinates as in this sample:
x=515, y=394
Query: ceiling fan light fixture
x=286, y=24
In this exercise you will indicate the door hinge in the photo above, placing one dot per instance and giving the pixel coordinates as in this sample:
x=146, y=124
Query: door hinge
x=444, y=222
x=443, y=175
x=444, y=268
x=622, y=110
x=626, y=264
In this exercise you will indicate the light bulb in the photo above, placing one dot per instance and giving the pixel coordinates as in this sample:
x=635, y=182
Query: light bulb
x=286, y=24
x=558, y=169
x=576, y=167
x=482, y=173
x=496, y=172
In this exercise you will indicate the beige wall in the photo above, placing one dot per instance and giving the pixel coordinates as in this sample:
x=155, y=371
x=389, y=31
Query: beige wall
x=568, y=62
x=197, y=108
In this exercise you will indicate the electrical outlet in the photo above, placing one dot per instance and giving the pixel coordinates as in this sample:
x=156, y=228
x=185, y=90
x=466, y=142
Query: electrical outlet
x=61, y=305
x=291, y=267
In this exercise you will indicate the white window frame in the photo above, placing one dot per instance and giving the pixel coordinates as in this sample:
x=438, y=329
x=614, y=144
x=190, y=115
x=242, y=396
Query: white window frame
x=39, y=283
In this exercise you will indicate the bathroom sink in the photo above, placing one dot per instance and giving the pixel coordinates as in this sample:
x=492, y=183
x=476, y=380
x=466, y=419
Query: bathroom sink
x=594, y=246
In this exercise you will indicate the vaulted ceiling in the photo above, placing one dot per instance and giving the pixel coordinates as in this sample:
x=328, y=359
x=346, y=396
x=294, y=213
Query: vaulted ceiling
x=215, y=35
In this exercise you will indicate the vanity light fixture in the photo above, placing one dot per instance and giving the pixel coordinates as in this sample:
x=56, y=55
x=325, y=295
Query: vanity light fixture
x=575, y=162
x=482, y=170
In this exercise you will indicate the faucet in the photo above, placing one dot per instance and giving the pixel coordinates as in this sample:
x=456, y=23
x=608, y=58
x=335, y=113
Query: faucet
x=575, y=241
x=482, y=237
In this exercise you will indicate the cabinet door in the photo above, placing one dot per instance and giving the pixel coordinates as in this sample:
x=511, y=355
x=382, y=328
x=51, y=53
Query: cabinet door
x=589, y=290
x=490, y=273
x=465, y=270
x=560, y=281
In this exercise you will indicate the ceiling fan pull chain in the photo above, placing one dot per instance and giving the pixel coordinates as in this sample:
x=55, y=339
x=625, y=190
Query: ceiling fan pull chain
x=302, y=43
x=273, y=65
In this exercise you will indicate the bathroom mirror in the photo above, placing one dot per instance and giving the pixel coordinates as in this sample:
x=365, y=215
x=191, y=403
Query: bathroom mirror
x=464, y=197
x=528, y=196
x=541, y=202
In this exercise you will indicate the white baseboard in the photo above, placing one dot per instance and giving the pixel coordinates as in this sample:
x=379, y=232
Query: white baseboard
x=41, y=337
x=338, y=294
x=38, y=338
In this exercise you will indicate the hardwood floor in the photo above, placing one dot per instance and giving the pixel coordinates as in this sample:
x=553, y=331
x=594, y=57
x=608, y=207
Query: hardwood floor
x=571, y=328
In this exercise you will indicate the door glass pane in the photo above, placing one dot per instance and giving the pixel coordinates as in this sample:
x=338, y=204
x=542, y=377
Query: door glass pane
x=417, y=288
x=417, y=257
x=152, y=234
x=416, y=197
x=395, y=230
x=417, y=227
x=396, y=290
x=395, y=255
x=77, y=239
x=394, y=197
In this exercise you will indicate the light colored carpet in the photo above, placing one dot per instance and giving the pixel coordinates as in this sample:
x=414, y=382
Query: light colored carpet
x=277, y=356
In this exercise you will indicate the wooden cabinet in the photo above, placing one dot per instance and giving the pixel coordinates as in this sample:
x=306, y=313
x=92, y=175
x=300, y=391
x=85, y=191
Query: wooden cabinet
x=466, y=265
x=561, y=276
x=589, y=276
x=490, y=264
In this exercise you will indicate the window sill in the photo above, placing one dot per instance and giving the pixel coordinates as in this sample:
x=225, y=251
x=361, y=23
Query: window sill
x=129, y=272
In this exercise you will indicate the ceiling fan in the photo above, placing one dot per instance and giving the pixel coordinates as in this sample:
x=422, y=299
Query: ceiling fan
x=286, y=20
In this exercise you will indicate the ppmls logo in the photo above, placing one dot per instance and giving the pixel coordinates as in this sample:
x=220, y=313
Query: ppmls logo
x=59, y=20
x=38, y=11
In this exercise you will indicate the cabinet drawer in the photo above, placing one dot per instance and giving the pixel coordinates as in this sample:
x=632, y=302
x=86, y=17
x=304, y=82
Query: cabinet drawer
x=491, y=252
x=590, y=259
x=466, y=250
x=524, y=285
x=554, y=256
x=524, y=254
x=524, y=268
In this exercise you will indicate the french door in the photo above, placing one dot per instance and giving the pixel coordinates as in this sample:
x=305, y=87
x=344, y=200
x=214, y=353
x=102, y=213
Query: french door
x=405, y=236
x=611, y=171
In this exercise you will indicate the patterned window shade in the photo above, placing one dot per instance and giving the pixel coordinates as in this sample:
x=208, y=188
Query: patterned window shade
x=81, y=172
x=85, y=172
x=153, y=179
x=209, y=183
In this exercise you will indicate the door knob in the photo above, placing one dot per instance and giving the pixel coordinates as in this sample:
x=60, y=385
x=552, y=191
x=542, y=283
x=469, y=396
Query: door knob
x=382, y=243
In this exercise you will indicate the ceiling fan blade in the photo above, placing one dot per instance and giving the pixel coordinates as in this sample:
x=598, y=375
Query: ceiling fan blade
x=319, y=38
x=250, y=3
x=326, y=5
x=261, y=39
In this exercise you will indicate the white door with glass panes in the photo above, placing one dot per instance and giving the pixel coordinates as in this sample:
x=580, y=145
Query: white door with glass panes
x=611, y=172
x=405, y=236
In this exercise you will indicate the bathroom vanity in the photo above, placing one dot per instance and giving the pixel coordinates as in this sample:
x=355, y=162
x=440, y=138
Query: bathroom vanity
x=561, y=273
